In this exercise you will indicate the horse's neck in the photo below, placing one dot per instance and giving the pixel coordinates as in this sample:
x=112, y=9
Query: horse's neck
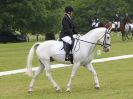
x=127, y=20
x=94, y=35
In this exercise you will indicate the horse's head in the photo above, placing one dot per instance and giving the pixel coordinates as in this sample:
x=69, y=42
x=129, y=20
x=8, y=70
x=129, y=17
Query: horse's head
x=105, y=40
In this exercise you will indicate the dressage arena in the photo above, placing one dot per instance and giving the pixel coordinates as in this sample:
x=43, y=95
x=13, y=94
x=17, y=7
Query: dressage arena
x=114, y=69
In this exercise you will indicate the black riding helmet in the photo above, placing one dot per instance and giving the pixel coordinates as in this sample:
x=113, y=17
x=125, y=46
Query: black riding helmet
x=69, y=9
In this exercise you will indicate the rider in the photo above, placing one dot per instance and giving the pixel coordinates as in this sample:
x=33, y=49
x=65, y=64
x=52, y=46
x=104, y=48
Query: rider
x=68, y=29
x=95, y=22
x=127, y=19
x=117, y=21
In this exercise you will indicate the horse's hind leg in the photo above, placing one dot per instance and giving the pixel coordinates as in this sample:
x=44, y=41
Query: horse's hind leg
x=93, y=71
x=131, y=35
x=37, y=72
x=49, y=75
x=127, y=35
x=123, y=39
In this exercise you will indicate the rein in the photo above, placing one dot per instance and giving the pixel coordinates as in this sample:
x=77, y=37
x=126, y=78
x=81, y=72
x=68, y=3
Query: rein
x=88, y=42
x=95, y=43
x=85, y=42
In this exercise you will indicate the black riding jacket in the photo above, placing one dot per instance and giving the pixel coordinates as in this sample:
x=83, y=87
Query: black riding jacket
x=68, y=28
x=116, y=19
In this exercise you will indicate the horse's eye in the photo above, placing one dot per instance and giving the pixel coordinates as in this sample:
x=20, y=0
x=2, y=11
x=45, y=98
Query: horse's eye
x=107, y=37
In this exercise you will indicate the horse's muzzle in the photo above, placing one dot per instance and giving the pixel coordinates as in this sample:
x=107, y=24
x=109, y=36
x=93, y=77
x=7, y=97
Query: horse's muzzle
x=106, y=49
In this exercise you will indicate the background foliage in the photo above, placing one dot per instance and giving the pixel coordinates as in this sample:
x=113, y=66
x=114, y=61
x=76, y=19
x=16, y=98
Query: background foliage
x=44, y=16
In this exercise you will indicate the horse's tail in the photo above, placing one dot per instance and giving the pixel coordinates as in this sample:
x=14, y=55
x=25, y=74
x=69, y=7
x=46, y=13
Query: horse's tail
x=29, y=59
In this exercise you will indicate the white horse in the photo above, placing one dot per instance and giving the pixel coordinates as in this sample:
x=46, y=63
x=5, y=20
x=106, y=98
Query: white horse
x=128, y=29
x=82, y=55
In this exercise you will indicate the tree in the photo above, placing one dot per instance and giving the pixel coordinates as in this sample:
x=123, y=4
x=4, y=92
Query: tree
x=35, y=16
x=44, y=16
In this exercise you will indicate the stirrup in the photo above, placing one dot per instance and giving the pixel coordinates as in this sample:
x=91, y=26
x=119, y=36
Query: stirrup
x=69, y=58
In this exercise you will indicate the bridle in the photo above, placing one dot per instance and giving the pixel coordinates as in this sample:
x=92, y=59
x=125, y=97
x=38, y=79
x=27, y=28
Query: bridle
x=104, y=44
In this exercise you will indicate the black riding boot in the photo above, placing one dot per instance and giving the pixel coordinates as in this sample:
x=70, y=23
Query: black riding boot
x=67, y=49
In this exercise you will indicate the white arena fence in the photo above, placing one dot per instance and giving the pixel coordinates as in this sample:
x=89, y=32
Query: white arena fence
x=66, y=65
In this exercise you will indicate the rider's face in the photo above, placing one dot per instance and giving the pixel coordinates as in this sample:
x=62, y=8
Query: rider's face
x=70, y=13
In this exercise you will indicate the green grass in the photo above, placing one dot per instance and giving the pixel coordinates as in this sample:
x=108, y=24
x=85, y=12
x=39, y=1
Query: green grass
x=13, y=55
x=115, y=79
x=115, y=76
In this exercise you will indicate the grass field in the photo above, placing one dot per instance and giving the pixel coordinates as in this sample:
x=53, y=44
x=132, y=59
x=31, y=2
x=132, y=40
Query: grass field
x=116, y=77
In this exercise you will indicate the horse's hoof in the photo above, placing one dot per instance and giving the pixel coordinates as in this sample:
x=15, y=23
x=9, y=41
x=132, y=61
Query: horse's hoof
x=58, y=90
x=30, y=90
x=68, y=90
x=97, y=88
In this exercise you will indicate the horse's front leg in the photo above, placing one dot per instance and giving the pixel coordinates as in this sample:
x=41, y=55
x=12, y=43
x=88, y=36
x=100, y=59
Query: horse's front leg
x=75, y=67
x=93, y=71
x=123, y=36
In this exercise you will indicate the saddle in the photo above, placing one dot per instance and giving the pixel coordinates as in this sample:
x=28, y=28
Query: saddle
x=71, y=47
x=130, y=28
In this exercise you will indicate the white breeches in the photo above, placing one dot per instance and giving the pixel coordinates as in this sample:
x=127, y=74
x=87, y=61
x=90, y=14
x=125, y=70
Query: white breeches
x=67, y=39
x=118, y=24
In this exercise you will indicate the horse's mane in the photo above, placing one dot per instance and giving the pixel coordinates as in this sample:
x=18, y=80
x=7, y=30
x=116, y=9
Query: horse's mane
x=101, y=24
x=93, y=31
x=105, y=24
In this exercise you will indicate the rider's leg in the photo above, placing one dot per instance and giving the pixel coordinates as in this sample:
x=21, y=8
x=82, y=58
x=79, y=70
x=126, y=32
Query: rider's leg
x=67, y=46
x=116, y=25
x=67, y=49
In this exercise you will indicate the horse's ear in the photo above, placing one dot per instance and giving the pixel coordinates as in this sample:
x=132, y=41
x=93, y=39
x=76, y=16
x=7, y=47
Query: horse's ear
x=108, y=25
